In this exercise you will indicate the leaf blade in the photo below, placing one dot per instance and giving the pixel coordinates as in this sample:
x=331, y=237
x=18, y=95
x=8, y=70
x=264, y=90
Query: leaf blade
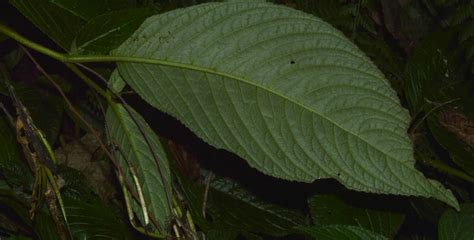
x=239, y=74
x=155, y=180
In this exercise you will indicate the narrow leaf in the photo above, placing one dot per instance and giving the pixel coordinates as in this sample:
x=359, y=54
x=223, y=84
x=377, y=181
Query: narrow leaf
x=280, y=88
x=154, y=180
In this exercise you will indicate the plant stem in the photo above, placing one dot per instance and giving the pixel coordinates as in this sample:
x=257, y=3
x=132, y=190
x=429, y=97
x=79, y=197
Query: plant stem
x=89, y=82
x=69, y=60
x=24, y=41
x=441, y=167
x=65, y=58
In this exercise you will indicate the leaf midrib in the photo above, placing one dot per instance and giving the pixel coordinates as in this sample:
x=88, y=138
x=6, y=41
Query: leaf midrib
x=240, y=79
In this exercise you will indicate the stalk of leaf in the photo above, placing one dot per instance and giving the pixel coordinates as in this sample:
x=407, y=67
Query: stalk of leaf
x=41, y=159
x=134, y=194
x=130, y=212
x=187, y=216
x=91, y=129
x=106, y=95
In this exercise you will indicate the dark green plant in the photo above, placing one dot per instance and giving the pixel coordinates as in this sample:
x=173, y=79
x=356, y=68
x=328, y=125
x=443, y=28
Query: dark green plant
x=291, y=87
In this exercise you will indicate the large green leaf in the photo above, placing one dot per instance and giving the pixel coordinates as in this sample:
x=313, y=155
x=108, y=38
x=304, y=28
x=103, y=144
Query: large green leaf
x=280, y=88
x=457, y=225
x=106, y=32
x=329, y=209
x=140, y=153
x=340, y=232
x=60, y=25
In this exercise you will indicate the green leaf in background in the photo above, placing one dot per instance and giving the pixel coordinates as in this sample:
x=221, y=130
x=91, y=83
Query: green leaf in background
x=89, y=9
x=42, y=225
x=340, y=232
x=19, y=208
x=427, y=71
x=457, y=225
x=234, y=209
x=3, y=37
x=283, y=90
x=45, y=228
x=18, y=238
x=329, y=209
x=116, y=83
x=221, y=235
x=106, y=32
x=436, y=85
x=15, y=172
x=267, y=218
x=452, y=129
x=13, y=58
x=416, y=22
x=10, y=59
x=388, y=60
x=60, y=25
x=155, y=181
x=46, y=110
x=94, y=221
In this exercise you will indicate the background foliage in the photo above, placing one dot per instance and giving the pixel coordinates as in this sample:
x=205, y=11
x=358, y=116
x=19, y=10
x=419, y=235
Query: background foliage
x=424, y=48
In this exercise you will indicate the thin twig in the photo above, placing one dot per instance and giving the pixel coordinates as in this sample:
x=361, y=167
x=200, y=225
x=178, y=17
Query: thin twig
x=74, y=110
x=9, y=116
x=206, y=193
x=450, y=171
x=127, y=108
x=411, y=131
x=38, y=153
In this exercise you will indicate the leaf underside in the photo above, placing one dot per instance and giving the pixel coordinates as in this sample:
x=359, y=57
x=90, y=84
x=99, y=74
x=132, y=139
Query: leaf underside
x=280, y=88
x=134, y=151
